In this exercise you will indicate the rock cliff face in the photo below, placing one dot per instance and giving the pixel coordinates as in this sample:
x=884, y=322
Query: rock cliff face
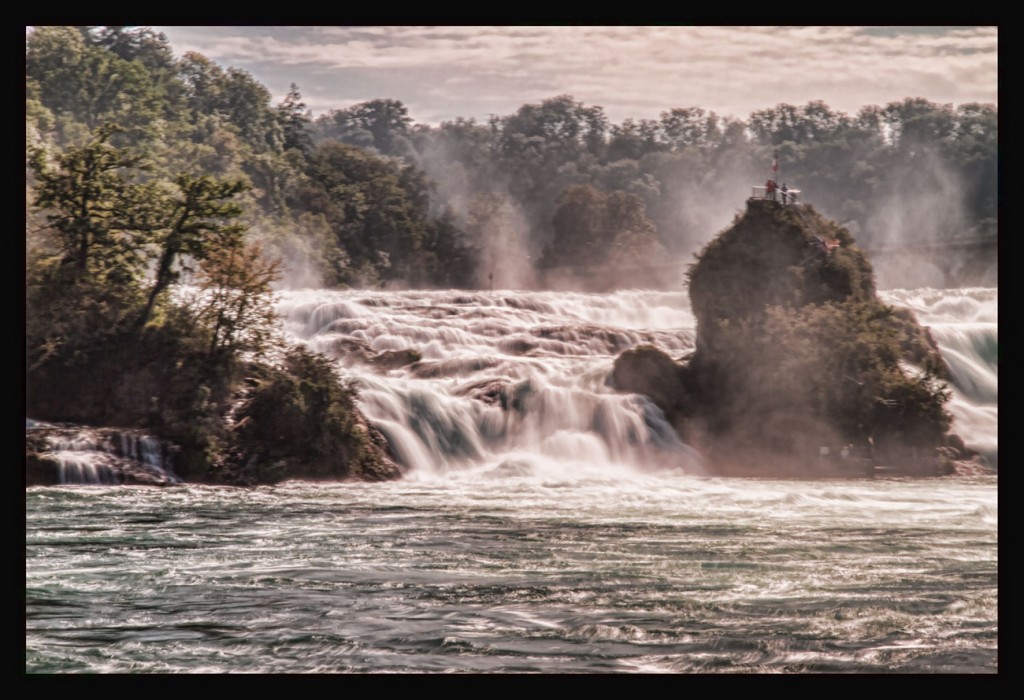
x=773, y=256
x=799, y=369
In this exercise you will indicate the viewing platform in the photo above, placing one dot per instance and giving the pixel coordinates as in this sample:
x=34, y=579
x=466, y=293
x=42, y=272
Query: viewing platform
x=761, y=192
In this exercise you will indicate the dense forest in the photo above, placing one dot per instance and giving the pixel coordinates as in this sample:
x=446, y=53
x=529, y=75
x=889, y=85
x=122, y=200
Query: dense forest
x=167, y=196
x=364, y=195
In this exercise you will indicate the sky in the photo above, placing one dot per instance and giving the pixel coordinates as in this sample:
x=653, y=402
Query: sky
x=636, y=72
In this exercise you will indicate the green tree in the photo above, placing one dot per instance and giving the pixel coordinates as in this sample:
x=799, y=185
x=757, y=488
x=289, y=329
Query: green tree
x=377, y=207
x=100, y=219
x=691, y=126
x=85, y=81
x=382, y=125
x=593, y=227
x=295, y=121
x=975, y=151
x=200, y=219
x=242, y=103
x=916, y=122
x=137, y=44
x=853, y=380
x=633, y=140
x=53, y=56
x=388, y=121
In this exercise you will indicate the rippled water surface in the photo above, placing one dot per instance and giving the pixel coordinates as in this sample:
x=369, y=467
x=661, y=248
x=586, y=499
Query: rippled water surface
x=649, y=573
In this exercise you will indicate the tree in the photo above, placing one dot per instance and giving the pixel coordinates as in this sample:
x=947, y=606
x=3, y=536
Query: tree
x=633, y=140
x=234, y=95
x=100, y=219
x=916, y=122
x=92, y=84
x=379, y=124
x=378, y=208
x=52, y=59
x=137, y=44
x=691, y=126
x=247, y=105
x=295, y=121
x=593, y=227
x=199, y=221
x=854, y=379
x=448, y=260
x=235, y=302
x=203, y=82
x=387, y=120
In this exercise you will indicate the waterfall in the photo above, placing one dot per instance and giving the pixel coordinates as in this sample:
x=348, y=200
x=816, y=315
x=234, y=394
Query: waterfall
x=965, y=324
x=507, y=382
x=515, y=382
x=83, y=455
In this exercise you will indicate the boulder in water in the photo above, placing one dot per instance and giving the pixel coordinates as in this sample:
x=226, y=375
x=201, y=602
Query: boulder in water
x=393, y=359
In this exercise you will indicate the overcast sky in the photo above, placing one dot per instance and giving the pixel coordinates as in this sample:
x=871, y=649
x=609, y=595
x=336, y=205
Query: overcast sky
x=633, y=72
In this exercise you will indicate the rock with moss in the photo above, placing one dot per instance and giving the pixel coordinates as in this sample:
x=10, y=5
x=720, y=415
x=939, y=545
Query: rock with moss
x=799, y=368
x=647, y=370
x=236, y=423
x=298, y=420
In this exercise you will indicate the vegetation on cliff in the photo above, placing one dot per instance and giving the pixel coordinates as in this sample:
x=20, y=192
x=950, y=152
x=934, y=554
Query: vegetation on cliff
x=794, y=353
x=298, y=420
x=172, y=351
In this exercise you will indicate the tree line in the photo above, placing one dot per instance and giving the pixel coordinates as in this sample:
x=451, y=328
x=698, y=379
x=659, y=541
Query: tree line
x=364, y=195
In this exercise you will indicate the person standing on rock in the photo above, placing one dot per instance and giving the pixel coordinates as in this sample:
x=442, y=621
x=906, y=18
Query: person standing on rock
x=785, y=193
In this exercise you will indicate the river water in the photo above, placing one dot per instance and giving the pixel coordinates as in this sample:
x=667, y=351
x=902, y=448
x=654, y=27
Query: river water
x=545, y=523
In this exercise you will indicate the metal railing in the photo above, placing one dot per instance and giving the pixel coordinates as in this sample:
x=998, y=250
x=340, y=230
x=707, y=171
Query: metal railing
x=761, y=192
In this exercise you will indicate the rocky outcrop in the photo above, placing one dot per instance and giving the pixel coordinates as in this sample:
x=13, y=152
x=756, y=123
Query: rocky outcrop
x=507, y=395
x=798, y=367
x=299, y=420
x=293, y=420
x=647, y=370
x=393, y=359
x=773, y=256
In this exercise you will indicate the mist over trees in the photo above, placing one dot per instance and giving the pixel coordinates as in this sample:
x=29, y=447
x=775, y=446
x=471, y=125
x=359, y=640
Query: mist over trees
x=366, y=196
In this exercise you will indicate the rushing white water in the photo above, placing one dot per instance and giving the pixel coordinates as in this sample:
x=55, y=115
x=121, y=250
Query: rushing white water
x=510, y=383
x=568, y=533
x=965, y=324
x=515, y=383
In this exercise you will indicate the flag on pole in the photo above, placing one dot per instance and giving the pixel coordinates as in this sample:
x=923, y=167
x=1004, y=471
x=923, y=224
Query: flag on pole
x=775, y=162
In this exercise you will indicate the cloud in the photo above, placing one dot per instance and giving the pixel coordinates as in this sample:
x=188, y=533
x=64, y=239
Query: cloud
x=633, y=72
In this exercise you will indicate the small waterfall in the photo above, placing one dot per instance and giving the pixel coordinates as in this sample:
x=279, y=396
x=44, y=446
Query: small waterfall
x=83, y=455
x=84, y=467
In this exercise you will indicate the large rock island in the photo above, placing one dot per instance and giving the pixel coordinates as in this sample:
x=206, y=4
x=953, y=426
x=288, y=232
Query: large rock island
x=799, y=369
